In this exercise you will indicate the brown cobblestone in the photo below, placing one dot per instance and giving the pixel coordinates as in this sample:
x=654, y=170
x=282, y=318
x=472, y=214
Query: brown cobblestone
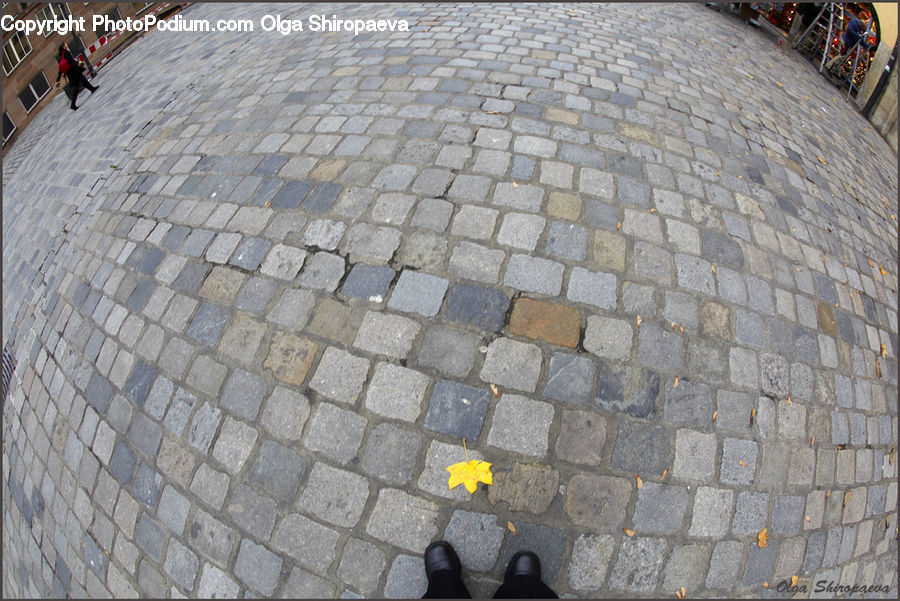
x=540, y=320
x=290, y=357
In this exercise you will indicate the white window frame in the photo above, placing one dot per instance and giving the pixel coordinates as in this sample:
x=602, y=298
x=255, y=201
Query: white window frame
x=10, y=51
x=37, y=98
x=14, y=128
x=53, y=11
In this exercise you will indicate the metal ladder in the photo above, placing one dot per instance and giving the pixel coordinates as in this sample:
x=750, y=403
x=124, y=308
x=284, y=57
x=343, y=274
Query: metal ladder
x=819, y=35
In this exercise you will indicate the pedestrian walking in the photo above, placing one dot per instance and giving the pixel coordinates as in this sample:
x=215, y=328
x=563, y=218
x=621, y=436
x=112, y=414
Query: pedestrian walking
x=69, y=66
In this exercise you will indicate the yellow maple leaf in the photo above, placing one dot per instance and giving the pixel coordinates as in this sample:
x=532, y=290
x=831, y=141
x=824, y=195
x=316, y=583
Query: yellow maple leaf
x=762, y=539
x=469, y=473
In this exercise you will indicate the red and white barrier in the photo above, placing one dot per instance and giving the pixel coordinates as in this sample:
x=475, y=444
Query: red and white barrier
x=106, y=39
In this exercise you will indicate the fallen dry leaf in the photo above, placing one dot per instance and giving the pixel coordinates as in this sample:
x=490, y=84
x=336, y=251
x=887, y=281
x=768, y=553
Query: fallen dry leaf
x=618, y=226
x=629, y=531
x=813, y=441
x=715, y=413
x=762, y=539
x=675, y=384
x=847, y=496
x=268, y=202
x=713, y=268
x=469, y=473
x=681, y=329
x=653, y=210
x=828, y=494
x=742, y=464
x=808, y=519
x=877, y=368
x=883, y=351
x=779, y=84
x=515, y=184
x=494, y=390
x=639, y=321
x=512, y=528
x=891, y=456
x=665, y=471
x=789, y=400
x=821, y=160
x=883, y=272
x=683, y=592
x=765, y=584
x=794, y=580
x=640, y=482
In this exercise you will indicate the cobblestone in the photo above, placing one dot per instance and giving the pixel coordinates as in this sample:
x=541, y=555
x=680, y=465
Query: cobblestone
x=513, y=364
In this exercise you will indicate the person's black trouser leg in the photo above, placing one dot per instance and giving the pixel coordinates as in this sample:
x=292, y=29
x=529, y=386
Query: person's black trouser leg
x=524, y=587
x=445, y=584
x=85, y=83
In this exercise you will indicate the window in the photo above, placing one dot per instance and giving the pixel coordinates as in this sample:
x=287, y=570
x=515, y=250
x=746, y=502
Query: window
x=14, y=51
x=35, y=90
x=55, y=11
x=115, y=15
x=8, y=127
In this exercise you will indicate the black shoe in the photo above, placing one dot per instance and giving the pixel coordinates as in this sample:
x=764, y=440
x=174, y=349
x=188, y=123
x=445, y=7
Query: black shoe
x=523, y=563
x=94, y=89
x=440, y=556
x=73, y=107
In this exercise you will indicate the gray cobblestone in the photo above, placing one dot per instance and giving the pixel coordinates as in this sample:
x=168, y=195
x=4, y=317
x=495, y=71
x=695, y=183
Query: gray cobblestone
x=335, y=432
x=513, y=364
x=418, y=293
x=258, y=567
x=639, y=563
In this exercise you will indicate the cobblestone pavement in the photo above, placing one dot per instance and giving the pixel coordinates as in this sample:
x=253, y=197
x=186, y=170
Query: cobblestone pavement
x=260, y=287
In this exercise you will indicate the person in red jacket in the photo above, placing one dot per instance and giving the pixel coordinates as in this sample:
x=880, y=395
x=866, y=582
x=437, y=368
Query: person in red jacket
x=68, y=65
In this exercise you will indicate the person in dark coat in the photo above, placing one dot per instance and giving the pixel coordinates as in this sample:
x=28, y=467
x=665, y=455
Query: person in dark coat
x=74, y=75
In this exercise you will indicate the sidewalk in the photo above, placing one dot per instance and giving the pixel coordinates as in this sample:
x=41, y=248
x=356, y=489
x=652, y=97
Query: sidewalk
x=261, y=286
